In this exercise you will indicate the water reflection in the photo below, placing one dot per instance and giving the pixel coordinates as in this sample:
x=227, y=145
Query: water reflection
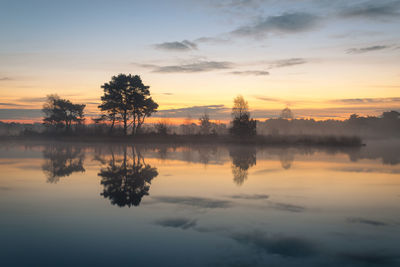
x=243, y=158
x=126, y=181
x=324, y=210
x=62, y=160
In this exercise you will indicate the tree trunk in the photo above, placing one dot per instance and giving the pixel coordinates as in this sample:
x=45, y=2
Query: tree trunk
x=125, y=123
x=112, y=125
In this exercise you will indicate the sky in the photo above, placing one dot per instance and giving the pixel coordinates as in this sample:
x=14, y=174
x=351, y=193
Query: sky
x=322, y=59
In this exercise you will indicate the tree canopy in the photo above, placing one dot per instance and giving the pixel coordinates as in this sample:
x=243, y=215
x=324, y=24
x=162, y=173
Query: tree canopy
x=62, y=113
x=242, y=124
x=128, y=100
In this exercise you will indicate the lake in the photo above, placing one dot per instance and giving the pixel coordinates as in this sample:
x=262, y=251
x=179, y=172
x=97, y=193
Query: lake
x=65, y=204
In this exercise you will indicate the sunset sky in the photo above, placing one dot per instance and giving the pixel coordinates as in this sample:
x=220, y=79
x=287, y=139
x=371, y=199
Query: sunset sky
x=321, y=58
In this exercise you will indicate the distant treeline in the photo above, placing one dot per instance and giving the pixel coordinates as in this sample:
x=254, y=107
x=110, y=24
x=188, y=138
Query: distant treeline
x=385, y=125
x=126, y=103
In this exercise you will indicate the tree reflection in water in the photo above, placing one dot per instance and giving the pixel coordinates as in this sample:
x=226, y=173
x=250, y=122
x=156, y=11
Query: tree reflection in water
x=127, y=181
x=62, y=160
x=242, y=159
x=286, y=157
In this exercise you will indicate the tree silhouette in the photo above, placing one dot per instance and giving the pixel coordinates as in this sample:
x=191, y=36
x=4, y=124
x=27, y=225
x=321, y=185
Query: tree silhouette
x=242, y=159
x=205, y=124
x=126, y=183
x=286, y=114
x=242, y=124
x=62, y=113
x=127, y=99
x=62, y=161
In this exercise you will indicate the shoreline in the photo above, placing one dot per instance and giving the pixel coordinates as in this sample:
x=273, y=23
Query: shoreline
x=269, y=140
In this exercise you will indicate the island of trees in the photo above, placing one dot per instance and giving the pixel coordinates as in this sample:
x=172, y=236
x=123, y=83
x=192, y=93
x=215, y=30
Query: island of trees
x=126, y=103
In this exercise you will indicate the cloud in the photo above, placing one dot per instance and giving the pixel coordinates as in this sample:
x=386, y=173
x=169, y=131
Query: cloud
x=10, y=114
x=10, y=104
x=285, y=23
x=195, y=202
x=197, y=66
x=366, y=49
x=182, y=223
x=377, y=258
x=250, y=72
x=5, y=79
x=366, y=221
x=268, y=99
x=216, y=111
x=251, y=197
x=185, y=45
x=281, y=245
x=368, y=170
x=5, y=188
x=287, y=207
x=33, y=99
x=287, y=62
x=214, y=40
x=367, y=100
x=372, y=10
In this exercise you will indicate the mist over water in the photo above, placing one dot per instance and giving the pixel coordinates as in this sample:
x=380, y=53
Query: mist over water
x=65, y=204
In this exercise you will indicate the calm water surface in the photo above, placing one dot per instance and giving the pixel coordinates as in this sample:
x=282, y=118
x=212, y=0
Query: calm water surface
x=64, y=204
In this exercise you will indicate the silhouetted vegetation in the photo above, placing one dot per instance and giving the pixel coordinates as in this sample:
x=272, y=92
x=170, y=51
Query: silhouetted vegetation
x=205, y=124
x=128, y=100
x=242, y=124
x=386, y=125
x=126, y=181
x=126, y=103
x=62, y=113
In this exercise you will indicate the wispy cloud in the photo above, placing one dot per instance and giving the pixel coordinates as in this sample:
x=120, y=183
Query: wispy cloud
x=216, y=111
x=365, y=221
x=182, y=223
x=251, y=197
x=197, y=66
x=371, y=258
x=287, y=62
x=250, y=72
x=287, y=207
x=5, y=79
x=367, y=100
x=216, y=40
x=32, y=99
x=185, y=45
x=10, y=114
x=10, y=104
x=279, y=245
x=366, y=49
x=285, y=23
x=198, y=202
x=372, y=9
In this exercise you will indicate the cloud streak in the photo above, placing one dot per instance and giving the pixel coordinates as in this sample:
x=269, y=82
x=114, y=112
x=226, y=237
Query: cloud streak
x=198, y=202
x=287, y=23
x=185, y=45
x=366, y=49
x=372, y=10
x=287, y=62
x=181, y=223
x=279, y=245
x=366, y=221
x=251, y=197
x=250, y=72
x=195, y=111
x=198, y=66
